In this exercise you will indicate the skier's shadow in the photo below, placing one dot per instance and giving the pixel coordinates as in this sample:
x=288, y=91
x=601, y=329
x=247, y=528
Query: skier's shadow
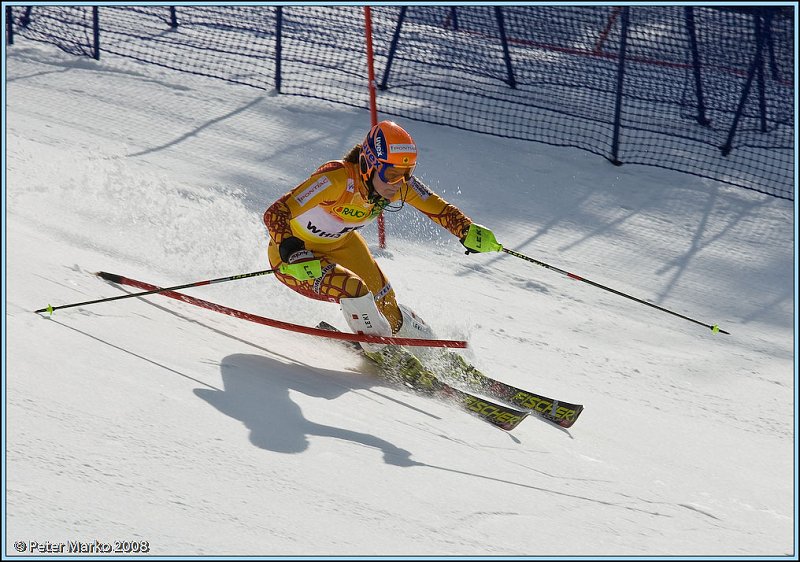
x=257, y=393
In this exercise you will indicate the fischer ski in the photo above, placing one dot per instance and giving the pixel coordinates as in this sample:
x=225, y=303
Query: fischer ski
x=501, y=415
x=400, y=365
x=454, y=368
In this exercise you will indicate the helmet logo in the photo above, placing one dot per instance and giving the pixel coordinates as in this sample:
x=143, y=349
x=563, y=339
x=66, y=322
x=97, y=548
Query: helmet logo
x=380, y=142
x=403, y=148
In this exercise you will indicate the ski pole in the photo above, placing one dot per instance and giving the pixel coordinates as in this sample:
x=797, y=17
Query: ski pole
x=119, y=279
x=714, y=328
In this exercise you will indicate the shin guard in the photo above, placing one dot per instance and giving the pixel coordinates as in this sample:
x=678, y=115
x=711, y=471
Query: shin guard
x=363, y=317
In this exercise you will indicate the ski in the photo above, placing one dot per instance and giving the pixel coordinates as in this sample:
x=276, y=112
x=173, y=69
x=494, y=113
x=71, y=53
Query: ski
x=400, y=365
x=501, y=415
x=453, y=370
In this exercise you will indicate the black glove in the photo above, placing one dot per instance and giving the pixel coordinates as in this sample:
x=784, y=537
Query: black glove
x=289, y=246
x=298, y=262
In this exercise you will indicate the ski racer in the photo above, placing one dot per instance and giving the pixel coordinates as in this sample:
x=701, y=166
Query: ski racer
x=315, y=246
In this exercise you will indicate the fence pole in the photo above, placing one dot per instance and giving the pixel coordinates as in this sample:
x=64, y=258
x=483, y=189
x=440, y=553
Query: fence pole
x=96, y=27
x=623, y=47
x=498, y=12
x=764, y=29
x=9, y=25
x=173, y=17
x=773, y=64
x=757, y=62
x=25, y=20
x=278, y=47
x=393, y=48
x=698, y=77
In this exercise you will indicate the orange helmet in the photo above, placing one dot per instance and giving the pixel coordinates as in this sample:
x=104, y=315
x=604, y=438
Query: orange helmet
x=389, y=151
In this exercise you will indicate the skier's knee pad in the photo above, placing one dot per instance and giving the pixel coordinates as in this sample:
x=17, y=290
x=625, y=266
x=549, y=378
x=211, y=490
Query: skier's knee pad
x=363, y=317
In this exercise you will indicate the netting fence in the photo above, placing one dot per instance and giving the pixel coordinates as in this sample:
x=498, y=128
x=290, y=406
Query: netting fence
x=702, y=90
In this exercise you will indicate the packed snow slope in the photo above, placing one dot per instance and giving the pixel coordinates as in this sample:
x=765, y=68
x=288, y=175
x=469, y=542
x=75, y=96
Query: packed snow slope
x=149, y=419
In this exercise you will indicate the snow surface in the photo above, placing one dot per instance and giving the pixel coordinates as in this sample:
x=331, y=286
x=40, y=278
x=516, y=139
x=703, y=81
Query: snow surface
x=150, y=419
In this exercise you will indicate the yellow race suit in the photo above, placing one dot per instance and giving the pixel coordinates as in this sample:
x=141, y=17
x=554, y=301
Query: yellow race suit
x=326, y=211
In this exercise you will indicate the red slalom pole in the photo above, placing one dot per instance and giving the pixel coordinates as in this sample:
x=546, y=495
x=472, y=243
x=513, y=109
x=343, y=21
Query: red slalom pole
x=169, y=292
x=373, y=104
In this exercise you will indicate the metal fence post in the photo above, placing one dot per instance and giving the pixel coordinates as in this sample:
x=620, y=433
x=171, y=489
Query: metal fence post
x=96, y=27
x=698, y=76
x=623, y=47
x=392, y=48
x=278, y=47
x=25, y=20
x=454, y=18
x=754, y=66
x=9, y=25
x=763, y=29
x=498, y=12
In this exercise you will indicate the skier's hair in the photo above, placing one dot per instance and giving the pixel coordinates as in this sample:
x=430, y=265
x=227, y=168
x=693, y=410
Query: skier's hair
x=352, y=156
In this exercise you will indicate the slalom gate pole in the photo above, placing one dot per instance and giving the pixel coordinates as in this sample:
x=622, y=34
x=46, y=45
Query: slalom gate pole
x=170, y=292
x=119, y=280
x=713, y=327
x=289, y=326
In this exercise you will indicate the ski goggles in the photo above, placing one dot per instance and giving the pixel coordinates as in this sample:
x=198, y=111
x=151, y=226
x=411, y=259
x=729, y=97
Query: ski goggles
x=394, y=174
